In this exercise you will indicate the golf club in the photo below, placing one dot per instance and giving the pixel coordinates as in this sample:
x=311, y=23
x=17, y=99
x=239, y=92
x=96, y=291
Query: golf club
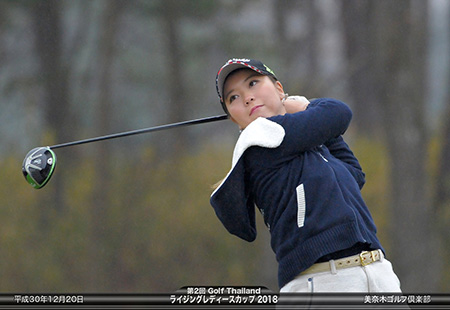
x=39, y=164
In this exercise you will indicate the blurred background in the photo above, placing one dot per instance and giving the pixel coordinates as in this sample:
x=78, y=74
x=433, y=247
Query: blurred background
x=133, y=214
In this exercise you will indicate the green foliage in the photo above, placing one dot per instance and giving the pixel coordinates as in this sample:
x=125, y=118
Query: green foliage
x=441, y=205
x=159, y=233
x=373, y=157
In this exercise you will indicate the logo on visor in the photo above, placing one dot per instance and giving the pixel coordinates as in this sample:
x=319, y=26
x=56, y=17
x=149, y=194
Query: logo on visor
x=269, y=70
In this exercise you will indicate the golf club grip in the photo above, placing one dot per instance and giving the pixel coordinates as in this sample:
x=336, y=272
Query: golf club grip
x=141, y=131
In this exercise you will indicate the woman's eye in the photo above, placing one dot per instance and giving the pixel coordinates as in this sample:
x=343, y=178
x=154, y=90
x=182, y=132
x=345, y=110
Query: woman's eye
x=232, y=98
x=253, y=82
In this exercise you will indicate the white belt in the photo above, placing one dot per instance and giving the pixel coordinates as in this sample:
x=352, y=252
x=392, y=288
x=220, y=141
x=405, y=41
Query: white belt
x=363, y=259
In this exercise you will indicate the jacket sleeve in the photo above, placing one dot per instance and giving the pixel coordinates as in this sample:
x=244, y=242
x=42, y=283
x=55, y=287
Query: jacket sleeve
x=233, y=206
x=231, y=200
x=323, y=120
x=339, y=149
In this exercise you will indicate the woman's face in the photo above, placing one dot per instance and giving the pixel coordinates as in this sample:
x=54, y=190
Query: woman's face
x=249, y=95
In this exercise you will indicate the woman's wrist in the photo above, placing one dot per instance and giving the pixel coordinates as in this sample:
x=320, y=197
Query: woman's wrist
x=294, y=104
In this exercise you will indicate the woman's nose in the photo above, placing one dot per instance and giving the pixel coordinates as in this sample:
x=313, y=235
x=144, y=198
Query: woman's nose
x=249, y=99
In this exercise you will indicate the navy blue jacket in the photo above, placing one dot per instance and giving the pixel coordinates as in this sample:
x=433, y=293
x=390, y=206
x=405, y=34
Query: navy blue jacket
x=302, y=176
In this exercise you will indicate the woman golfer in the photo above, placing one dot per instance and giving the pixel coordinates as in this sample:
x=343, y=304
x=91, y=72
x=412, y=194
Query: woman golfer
x=291, y=163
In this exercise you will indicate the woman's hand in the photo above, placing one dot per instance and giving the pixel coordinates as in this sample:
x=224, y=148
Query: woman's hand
x=295, y=104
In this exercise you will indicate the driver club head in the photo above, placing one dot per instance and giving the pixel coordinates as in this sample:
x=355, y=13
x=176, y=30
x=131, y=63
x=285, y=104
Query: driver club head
x=38, y=166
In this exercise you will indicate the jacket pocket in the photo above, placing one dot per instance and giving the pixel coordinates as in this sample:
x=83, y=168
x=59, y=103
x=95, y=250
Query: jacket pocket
x=301, y=205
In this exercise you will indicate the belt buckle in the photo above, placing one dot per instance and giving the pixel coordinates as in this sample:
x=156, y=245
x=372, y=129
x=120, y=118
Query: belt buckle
x=361, y=257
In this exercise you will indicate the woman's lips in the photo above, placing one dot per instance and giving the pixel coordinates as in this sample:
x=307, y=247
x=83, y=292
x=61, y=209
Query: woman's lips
x=255, y=108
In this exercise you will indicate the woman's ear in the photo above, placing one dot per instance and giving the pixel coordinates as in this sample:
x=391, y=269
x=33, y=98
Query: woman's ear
x=280, y=90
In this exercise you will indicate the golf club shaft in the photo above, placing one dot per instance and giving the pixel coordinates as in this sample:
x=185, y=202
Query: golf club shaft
x=140, y=131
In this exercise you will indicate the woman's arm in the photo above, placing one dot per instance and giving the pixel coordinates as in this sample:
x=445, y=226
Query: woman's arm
x=339, y=149
x=322, y=120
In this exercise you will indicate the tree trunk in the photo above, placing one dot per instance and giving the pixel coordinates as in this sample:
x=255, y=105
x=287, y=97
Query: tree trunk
x=54, y=76
x=177, y=105
x=400, y=64
x=360, y=51
x=442, y=189
x=299, y=55
x=102, y=277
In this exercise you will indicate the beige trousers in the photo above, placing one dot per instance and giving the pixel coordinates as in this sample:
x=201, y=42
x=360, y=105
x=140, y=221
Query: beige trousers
x=375, y=277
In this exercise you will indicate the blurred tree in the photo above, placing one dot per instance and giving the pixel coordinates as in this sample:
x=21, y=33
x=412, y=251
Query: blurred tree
x=401, y=33
x=54, y=77
x=441, y=198
x=145, y=225
x=176, y=94
x=360, y=52
x=310, y=48
x=179, y=56
x=297, y=41
x=102, y=260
